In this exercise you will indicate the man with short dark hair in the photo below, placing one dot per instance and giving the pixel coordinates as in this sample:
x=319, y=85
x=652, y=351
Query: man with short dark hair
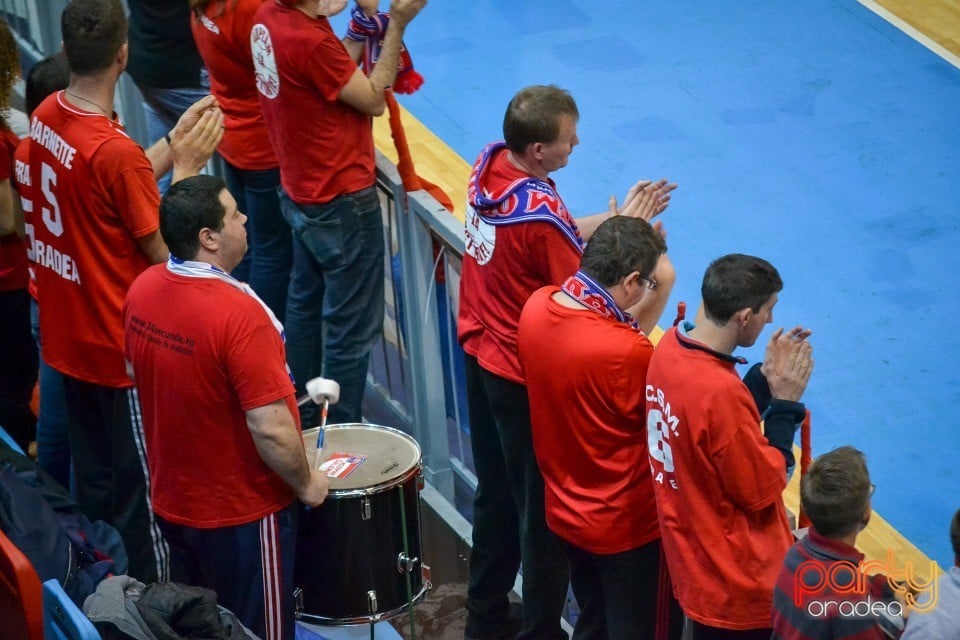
x=96, y=228
x=822, y=570
x=584, y=359
x=519, y=237
x=718, y=478
x=219, y=413
x=53, y=449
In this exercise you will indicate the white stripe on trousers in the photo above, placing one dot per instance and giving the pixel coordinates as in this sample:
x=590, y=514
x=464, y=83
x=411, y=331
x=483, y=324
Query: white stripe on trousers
x=161, y=552
x=270, y=563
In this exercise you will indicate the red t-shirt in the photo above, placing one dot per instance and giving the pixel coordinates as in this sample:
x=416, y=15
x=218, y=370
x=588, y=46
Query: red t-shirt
x=517, y=260
x=224, y=44
x=325, y=146
x=95, y=195
x=21, y=184
x=13, y=251
x=584, y=377
x=718, y=484
x=204, y=353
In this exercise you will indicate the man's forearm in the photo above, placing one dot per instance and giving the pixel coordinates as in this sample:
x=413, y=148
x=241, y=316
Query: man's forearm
x=279, y=444
x=160, y=157
x=385, y=71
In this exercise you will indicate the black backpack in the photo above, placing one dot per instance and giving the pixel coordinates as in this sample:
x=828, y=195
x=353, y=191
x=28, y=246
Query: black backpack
x=44, y=522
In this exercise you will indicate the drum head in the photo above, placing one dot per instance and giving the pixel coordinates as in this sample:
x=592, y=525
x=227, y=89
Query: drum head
x=391, y=455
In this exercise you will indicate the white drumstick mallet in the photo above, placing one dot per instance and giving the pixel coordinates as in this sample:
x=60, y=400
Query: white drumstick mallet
x=324, y=392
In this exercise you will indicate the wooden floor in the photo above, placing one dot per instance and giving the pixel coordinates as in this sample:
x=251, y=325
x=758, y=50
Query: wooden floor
x=938, y=20
x=936, y=23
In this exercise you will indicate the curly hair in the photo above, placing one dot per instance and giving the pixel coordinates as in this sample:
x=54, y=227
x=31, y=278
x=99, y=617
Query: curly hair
x=9, y=68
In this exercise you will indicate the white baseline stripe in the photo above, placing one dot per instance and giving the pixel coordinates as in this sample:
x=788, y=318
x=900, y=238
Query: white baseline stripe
x=913, y=32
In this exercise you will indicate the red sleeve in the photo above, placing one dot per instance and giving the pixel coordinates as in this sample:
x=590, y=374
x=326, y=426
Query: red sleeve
x=134, y=189
x=329, y=66
x=750, y=470
x=8, y=144
x=241, y=24
x=256, y=367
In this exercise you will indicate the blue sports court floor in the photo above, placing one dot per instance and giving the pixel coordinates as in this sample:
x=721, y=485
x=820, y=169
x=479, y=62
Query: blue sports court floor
x=814, y=134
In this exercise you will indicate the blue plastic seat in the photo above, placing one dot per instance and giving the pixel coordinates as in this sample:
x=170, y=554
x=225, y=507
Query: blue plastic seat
x=62, y=620
x=8, y=440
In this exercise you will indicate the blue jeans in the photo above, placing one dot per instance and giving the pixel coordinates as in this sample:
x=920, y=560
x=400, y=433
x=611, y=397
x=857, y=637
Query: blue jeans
x=266, y=267
x=163, y=107
x=335, y=304
x=53, y=447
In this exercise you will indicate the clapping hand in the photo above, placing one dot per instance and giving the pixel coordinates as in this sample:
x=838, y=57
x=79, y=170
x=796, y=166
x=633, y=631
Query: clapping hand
x=788, y=363
x=645, y=199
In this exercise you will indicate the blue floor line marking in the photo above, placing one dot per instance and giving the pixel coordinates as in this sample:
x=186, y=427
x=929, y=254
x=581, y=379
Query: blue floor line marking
x=815, y=134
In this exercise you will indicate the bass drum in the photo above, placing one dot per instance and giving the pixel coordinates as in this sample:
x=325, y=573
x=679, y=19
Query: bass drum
x=359, y=553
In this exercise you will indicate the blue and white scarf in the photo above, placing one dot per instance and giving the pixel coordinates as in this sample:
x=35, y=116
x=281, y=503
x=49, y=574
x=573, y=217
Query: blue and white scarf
x=594, y=296
x=195, y=269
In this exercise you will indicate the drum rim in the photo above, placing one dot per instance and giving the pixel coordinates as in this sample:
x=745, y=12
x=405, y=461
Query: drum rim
x=381, y=487
x=425, y=586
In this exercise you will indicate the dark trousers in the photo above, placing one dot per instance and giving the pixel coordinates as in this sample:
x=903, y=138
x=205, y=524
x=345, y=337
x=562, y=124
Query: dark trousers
x=543, y=565
x=266, y=266
x=618, y=593
x=495, y=557
x=18, y=367
x=249, y=566
x=111, y=481
x=703, y=632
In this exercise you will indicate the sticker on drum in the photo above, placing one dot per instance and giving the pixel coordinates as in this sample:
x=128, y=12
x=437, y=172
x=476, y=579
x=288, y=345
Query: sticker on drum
x=391, y=455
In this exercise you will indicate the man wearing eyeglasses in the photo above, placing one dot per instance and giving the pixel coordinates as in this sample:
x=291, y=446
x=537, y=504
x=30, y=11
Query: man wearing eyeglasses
x=584, y=358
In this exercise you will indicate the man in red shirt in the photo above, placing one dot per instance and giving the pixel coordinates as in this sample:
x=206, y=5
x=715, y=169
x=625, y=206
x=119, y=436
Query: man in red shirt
x=584, y=359
x=221, y=31
x=318, y=105
x=95, y=228
x=519, y=237
x=223, y=439
x=717, y=477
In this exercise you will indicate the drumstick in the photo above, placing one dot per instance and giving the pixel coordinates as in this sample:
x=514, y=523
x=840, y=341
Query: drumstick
x=323, y=425
x=329, y=392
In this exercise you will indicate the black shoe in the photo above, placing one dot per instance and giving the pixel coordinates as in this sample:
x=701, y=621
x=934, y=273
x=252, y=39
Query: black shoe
x=506, y=628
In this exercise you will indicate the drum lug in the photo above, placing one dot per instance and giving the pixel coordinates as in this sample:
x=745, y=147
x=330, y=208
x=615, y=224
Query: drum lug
x=372, y=601
x=406, y=564
x=420, y=481
x=365, y=510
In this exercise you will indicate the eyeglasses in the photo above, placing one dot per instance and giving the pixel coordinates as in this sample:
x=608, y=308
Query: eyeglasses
x=651, y=282
x=873, y=488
